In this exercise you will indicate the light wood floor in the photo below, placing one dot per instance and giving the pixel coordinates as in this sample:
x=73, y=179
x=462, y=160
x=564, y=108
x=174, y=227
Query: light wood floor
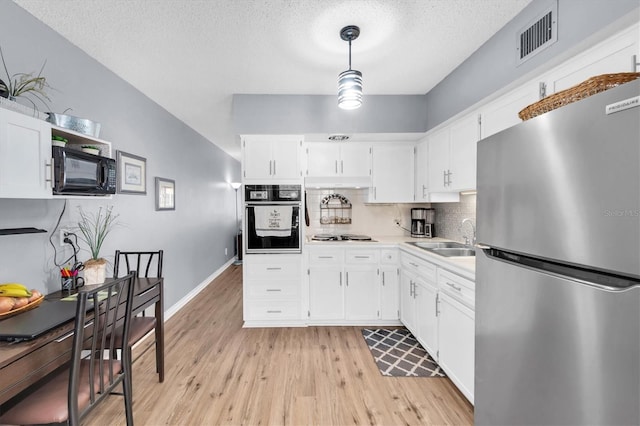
x=219, y=373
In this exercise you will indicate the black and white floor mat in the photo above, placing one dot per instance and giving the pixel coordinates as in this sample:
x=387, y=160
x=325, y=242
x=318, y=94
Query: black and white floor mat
x=398, y=354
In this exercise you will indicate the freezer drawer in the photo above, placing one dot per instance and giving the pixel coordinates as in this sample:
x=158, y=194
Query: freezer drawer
x=554, y=351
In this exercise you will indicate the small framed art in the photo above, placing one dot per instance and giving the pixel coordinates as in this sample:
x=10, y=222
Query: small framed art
x=132, y=174
x=165, y=194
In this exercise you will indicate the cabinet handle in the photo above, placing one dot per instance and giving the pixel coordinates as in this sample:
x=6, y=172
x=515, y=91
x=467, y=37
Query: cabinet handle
x=274, y=289
x=449, y=173
x=382, y=277
x=410, y=288
x=50, y=167
x=413, y=264
x=346, y=274
x=444, y=178
x=336, y=166
x=274, y=167
x=424, y=188
x=274, y=269
x=375, y=193
x=274, y=312
x=342, y=166
x=270, y=173
x=325, y=257
x=362, y=257
x=437, y=303
x=455, y=287
x=340, y=279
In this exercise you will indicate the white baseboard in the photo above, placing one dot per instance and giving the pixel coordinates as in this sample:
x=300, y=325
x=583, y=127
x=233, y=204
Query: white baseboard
x=193, y=293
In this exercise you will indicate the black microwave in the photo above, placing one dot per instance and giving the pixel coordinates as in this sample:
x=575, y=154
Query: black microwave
x=79, y=173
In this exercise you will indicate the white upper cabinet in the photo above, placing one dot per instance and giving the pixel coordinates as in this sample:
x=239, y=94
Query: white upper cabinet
x=25, y=156
x=271, y=157
x=333, y=159
x=392, y=173
x=452, y=156
x=422, y=171
x=503, y=112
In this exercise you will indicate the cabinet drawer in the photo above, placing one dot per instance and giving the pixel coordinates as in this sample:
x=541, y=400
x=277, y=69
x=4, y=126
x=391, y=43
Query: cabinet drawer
x=272, y=310
x=272, y=271
x=457, y=287
x=362, y=256
x=388, y=256
x=418, y=266
x=320, y=257
x=272, y=290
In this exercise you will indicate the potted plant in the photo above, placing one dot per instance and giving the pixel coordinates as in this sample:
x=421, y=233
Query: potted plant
x=24, y=85
x=59, y=141
x=94, y=228
x=91, y=149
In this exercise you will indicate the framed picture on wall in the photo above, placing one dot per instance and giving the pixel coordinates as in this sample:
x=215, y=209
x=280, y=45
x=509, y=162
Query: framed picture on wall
x=132, y=174
x=165, y=194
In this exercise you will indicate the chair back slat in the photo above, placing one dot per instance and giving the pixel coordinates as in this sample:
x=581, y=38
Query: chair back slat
x=101, y=308
x=141, y=261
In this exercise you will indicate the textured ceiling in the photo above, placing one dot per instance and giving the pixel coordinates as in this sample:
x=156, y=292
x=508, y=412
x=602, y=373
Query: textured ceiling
x=216, y=48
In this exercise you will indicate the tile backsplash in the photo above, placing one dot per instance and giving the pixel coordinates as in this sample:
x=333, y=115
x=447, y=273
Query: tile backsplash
x=378, y=219
x=369, y=219
x=449, y=218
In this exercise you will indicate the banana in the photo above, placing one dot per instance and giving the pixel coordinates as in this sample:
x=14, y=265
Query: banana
x=14, y=290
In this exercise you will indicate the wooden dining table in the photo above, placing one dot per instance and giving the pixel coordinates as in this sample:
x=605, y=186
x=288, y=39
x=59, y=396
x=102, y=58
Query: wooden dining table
x=22, y=364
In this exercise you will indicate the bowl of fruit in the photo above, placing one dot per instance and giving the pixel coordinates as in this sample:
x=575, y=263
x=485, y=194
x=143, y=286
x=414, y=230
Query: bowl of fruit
x=16, y=298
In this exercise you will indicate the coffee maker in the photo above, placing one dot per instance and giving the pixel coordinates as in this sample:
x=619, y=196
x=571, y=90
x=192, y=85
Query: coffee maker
x=422, y=222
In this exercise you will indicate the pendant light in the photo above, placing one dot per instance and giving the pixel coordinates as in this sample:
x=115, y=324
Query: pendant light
x=350, y=81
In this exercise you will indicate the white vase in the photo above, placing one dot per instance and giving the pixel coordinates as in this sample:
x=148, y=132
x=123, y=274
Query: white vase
x=95, y=274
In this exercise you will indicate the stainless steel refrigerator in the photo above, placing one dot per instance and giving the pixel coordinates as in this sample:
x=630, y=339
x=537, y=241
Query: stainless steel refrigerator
x=558, y=276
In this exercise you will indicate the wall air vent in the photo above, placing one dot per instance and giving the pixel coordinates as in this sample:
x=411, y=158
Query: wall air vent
x=538, y=34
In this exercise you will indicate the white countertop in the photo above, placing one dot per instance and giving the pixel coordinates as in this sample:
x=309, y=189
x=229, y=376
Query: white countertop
x=463, y=266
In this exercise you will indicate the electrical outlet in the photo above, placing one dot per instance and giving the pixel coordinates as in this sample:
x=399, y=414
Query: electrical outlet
x=397, y=221
x=64, y=233
x=226, y=251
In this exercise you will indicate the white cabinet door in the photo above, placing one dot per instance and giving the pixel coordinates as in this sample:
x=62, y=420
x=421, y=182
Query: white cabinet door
x=392, y=174
x=464, y=135
x=438, y=163
x=326, y=295
x=322, y=159
x=25, y=156
x=273, y=157
x=422, y=171
x=257, y=160
x=407, y=302
x=389, y=293
x=427, y=317
x=456, y=343
x=503, y=112
x=362, y=297
x=355, y=160
x=286, y=159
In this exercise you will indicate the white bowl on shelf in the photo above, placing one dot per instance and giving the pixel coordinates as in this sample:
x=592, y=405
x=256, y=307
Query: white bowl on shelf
x=59, y=143
x=93, y=151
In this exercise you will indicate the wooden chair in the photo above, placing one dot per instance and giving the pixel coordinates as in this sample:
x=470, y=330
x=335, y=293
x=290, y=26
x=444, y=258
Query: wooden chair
x=148, y=264
x=68, y=394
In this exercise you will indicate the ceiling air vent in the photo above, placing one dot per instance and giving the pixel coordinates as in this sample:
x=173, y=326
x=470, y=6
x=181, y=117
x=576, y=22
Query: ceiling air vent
x=538, y=35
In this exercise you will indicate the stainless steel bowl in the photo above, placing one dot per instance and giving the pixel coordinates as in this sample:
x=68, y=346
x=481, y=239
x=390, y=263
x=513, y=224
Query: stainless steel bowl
x=80, y=125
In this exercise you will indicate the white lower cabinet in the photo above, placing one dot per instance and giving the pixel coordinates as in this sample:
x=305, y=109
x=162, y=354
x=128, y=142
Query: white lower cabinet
x=389, y=285
x=345, y=287
x=437, y=306
x=272, y=289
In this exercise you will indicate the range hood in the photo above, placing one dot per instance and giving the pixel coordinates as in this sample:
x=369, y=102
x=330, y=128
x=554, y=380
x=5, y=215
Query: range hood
x=337, y=182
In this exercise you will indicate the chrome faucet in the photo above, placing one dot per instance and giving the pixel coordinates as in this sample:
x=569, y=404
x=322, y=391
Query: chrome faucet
x=473, y=228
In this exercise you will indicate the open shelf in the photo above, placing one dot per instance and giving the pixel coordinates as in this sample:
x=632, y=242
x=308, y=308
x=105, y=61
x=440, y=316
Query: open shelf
x=15, y=231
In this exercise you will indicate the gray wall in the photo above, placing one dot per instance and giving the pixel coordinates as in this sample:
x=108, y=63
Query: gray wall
x=291, y=114
x=493, y=65
x=194, y=236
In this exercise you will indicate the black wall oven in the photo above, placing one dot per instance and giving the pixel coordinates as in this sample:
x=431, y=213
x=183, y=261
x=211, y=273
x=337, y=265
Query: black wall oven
x=272, y=219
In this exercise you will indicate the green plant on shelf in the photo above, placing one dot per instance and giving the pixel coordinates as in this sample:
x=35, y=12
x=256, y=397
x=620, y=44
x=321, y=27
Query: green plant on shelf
x=30, y=86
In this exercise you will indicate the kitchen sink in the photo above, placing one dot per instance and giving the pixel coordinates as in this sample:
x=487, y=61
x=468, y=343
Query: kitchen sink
x=450, y=252
x=446, y=244
x=447, y=249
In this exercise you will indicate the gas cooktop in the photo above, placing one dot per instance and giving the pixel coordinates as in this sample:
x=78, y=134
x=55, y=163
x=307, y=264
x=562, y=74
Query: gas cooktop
x=341, y=237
